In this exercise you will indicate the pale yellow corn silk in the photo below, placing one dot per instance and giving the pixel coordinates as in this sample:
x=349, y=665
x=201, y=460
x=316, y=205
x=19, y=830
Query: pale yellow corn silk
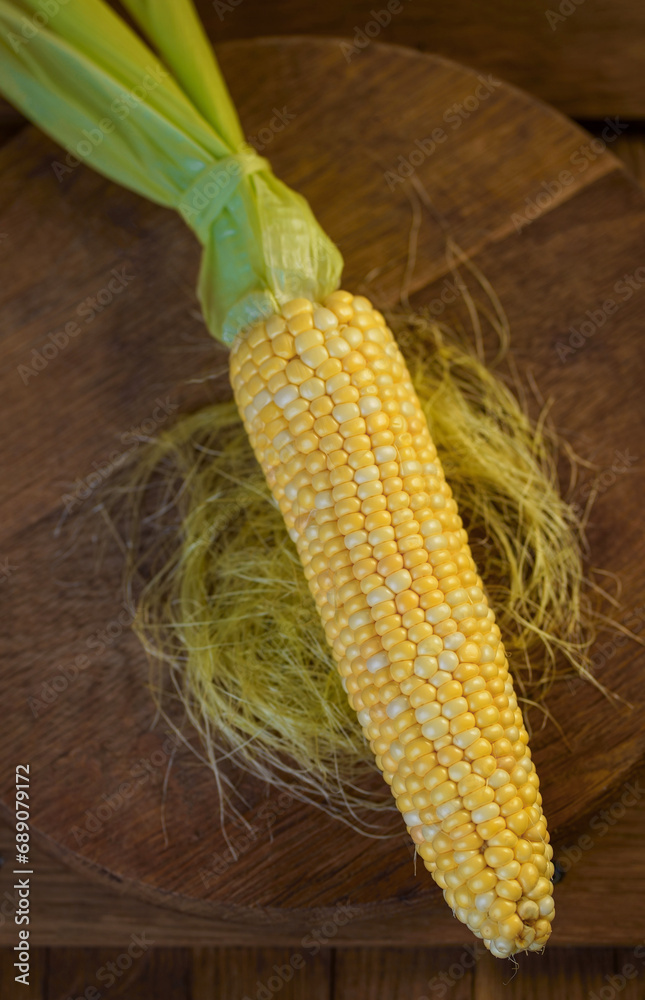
x=226, y=615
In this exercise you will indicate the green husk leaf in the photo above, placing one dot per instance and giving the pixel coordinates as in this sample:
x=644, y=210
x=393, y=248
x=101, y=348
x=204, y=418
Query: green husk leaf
x=169, y=132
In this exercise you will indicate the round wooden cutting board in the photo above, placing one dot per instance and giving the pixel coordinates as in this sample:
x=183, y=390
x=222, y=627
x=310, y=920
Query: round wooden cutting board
x=98, y=284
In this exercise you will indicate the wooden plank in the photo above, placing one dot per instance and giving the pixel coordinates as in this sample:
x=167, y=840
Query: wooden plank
x=559, y=974
x=628, y=976
x=591, y=859
x=529, y=44
x=375, y=974
x=138, y=971
x=600, y=899
x=468, y=973
x=37, y=988
x=11, y=121
x=9, y=116
x=630, y=148
x=302, y=973
x=7, y=132
x=587, y=62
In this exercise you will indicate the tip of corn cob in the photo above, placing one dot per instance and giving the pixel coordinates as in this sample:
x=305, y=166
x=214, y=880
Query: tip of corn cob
x=334, y=420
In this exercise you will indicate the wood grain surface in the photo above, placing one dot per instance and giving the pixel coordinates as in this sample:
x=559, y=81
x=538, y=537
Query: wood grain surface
x=585, y=58
x=140, y=971
x=101, y=769
x=605, y=882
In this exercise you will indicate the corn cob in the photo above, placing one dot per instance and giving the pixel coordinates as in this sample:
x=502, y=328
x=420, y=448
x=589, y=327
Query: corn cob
x=335, y=423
